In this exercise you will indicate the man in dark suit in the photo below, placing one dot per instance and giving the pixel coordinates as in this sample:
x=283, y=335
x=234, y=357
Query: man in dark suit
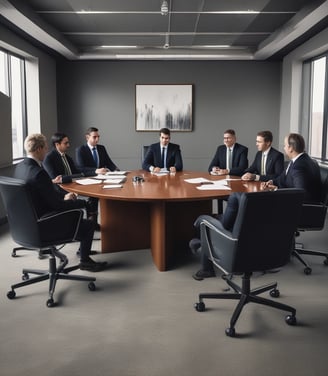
x=163, y=154
x=62, y=169
x=302, y=171
x=94, y=156
x=47, y=199
x=268, y=162
x=230, y=158
x=60, y=166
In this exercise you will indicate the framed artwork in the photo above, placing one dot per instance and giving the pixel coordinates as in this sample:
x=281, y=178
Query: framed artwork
x=163, y=106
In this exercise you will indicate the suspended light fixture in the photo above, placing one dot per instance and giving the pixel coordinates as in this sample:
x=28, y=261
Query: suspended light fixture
x=164, y=8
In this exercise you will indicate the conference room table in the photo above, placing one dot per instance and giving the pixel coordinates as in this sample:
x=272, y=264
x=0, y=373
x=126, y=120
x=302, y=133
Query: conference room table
x=158, y=212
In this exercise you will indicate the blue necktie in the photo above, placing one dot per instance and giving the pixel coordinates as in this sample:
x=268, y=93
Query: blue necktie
x=95, y=155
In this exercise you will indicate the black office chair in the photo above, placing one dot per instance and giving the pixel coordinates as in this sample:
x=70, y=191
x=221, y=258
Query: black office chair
x=313, y=218
x=261, y=240
x=144, y=152
x=48, y=233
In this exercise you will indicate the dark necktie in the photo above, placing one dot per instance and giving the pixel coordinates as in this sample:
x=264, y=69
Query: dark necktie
x=95, y=155
x=163, y=158
x=66, y=165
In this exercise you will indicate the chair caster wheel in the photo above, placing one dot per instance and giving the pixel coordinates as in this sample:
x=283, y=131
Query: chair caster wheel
x=25, y=277
x=325, y=261
x=50, y=303
x=275, y=293
x=307, y=270
x=91, y=286
x=230, y=332
x=200, y=307
x=291, y=320
x=11, y=294
x=13, y=254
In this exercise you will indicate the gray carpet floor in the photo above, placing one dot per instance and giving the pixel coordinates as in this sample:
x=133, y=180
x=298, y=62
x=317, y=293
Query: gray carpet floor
x=141, y=322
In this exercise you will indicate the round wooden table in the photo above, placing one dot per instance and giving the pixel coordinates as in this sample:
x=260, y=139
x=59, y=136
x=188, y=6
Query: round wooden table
x=157, y=213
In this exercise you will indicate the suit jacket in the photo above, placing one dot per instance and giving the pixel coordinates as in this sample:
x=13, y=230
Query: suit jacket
x=303, y=173
x=85, y=159
x=153, y=157
x=239, y=159
x=274, y=165
x=54, y=166
x=44, y=195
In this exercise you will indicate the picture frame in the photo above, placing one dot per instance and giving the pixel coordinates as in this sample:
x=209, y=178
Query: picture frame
x=163, y=106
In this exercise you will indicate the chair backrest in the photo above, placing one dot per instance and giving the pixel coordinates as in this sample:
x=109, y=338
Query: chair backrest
x=26, y=228
x=144, y=151
x=324, y=180
x=313, y=215
x=21, y=215
x=263, y=233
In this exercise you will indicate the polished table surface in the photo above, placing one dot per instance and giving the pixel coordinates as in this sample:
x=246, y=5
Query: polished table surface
x=157, y=213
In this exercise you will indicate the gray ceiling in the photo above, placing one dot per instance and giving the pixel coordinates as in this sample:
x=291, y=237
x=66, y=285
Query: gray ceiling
x=192, y=29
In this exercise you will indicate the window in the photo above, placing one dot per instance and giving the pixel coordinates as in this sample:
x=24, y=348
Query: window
x=318, y=109
x=12, y=83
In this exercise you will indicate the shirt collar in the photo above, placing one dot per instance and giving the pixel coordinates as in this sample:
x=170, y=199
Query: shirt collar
x=297, y=156
x=267, y=151
x=36, y=160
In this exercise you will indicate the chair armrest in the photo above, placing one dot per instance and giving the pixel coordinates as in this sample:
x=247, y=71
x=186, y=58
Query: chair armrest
x=218, y=243
x=313, y=217
x=60, y=227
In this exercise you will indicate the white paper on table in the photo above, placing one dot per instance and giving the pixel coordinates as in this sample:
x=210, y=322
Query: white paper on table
x=100, y=177
x=198, y=180
x=161, y=172
x=116, y=172
x=114, y=180
x=111, y=186
x=211, y=187
x=214, y=184
x=87, y=181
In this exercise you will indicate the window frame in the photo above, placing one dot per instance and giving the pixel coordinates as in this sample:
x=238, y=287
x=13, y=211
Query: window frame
x=22, y=92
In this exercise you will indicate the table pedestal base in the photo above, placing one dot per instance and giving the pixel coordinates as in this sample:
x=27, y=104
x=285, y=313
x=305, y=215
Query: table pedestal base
x=164, y=227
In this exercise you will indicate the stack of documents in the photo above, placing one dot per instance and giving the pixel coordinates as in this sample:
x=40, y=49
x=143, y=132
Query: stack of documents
x=115, y=179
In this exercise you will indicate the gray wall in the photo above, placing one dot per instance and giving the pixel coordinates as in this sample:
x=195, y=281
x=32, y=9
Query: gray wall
x=227, y=94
